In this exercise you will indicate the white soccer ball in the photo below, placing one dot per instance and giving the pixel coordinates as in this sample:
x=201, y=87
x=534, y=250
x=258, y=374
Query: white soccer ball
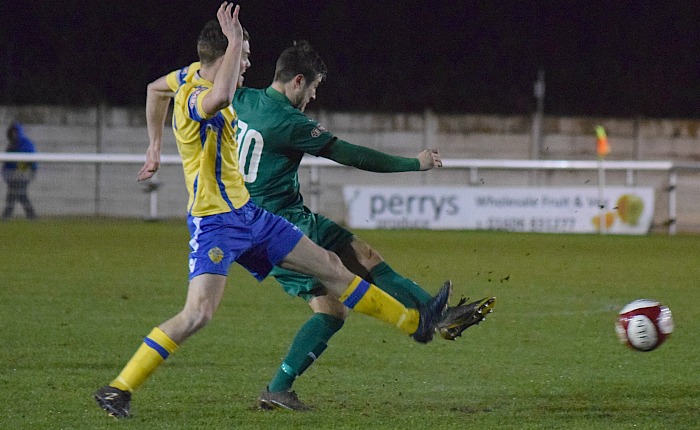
x=644, y=324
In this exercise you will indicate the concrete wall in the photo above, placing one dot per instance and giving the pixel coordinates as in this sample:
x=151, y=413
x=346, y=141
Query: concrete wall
x=74, y=189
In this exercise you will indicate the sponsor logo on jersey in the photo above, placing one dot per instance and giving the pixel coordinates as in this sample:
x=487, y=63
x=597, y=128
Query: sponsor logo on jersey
x=216, y=255
x=194, y=96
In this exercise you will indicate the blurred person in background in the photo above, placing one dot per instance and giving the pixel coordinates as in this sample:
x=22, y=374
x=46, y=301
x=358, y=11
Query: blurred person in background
x=18, y=174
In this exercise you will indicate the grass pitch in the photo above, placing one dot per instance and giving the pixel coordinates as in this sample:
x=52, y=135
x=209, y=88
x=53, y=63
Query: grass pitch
x=77, y=296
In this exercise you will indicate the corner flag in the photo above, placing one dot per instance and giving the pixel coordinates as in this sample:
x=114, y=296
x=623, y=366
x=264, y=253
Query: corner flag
x=603, y=148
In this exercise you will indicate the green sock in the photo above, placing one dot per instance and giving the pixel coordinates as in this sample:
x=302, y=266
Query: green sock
x=402, y=289
x=311, y=340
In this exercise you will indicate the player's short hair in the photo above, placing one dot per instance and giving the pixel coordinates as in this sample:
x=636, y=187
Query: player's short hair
x=212, y=42
x=300, y=59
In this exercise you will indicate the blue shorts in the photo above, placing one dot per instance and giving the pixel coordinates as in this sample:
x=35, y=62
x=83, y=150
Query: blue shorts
x=250, y=236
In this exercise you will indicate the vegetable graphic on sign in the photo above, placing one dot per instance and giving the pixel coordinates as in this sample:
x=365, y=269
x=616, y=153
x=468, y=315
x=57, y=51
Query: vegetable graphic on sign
x=609, y=218
x=630, y=208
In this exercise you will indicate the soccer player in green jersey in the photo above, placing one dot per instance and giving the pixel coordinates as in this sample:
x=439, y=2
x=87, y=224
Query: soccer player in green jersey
x=226, y=226
x=274, y=134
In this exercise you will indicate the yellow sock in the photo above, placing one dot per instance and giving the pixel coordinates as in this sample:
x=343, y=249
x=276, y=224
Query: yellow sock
x=156, y=347
x=368, y=299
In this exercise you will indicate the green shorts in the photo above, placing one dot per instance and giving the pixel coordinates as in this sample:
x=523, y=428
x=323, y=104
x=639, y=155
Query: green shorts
x=323, y=232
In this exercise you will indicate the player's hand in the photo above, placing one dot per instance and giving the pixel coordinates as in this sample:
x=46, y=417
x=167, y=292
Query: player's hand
x=228, y=19
x=429, y=158
x=150, y=167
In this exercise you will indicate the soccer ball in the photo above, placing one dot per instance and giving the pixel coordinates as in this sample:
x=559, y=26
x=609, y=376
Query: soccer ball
x=644, y=324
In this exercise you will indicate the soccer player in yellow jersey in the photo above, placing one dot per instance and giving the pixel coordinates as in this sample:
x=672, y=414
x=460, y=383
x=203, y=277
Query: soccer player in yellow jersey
x=225, y=226
x=274, y=134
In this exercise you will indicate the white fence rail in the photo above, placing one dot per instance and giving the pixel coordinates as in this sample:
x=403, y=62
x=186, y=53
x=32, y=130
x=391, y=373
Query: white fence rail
x=471, y=166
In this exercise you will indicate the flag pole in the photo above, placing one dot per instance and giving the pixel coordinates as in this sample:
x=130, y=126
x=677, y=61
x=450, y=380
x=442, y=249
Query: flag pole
x=602, y=149
x=601, y=195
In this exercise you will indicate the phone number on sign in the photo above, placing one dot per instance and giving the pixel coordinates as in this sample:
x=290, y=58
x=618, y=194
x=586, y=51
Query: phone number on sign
x=555, y=224
x=552, y=224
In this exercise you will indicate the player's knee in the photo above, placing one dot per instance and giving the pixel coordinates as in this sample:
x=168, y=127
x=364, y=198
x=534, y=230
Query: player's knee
x=332, y=270
x=333, y=263
x=334, y=260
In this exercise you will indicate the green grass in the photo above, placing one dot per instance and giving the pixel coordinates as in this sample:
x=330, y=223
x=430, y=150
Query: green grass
x=77, y=296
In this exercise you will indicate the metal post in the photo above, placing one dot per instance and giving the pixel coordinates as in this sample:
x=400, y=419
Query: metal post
x=637, y=142
x=672, y=182
x=314, y=187
x=602, y=206
x=98, y=150
x=153, y=196
x=537, y=118
x=429, y=134
x=473, y=176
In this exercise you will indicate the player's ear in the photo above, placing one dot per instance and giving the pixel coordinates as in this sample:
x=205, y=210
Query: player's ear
x=299, y=81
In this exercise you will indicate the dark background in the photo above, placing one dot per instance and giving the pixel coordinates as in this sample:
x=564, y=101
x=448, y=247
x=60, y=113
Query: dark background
x=613, y=58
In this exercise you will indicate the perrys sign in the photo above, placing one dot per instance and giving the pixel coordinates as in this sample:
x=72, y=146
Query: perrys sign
x=621, y=210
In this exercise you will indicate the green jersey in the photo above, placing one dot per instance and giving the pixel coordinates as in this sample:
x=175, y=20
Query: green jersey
x=273, y=137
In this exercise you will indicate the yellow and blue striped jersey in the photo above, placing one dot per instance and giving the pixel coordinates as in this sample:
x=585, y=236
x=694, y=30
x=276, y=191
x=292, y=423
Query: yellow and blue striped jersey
x=208, y=148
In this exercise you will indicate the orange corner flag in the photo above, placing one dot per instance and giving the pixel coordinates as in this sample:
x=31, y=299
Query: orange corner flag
x=603, y=147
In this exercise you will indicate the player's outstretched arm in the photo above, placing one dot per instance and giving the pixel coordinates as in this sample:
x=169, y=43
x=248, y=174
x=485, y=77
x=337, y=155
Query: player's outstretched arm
x=158, y=95
x=372, y=160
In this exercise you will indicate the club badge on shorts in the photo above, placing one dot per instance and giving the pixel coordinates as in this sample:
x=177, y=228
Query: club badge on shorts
x=216, y=255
